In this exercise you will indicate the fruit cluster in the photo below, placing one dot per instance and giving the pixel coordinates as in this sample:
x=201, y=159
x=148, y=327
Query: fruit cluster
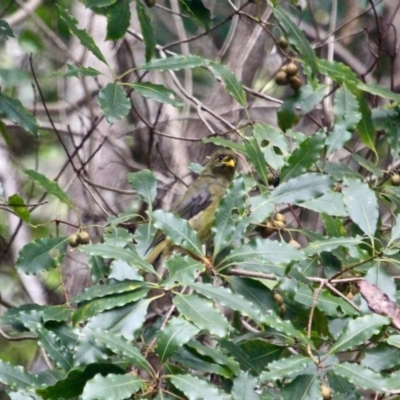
x=289, y=75
x=81, y=237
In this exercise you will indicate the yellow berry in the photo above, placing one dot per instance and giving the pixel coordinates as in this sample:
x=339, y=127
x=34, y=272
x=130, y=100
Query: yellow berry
x=291, y=69
x=73, y=240
x=395, y=179
x=83, y=237
x=281, y=78
x=295, y=82
x=326, y=392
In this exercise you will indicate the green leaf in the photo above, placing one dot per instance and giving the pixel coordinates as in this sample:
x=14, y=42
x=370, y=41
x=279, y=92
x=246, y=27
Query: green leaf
x=381, y=357
x=365, y=127
x=394, y=340
x=147, y=30
x=42, y=255
x=56, y=313
x=229, y=216
x=80, y=71
x=334, y=226
x=5, y=30
x=17, y=377
x=215, y=354
x=50, y=342
x=368, y=165
x=112, y=386
x=189, y=359
x=286, y=327
x=175, y=334
x=330, y=203
x=272, y=143
x=340, y=73
x=114, y=103
x=85, y=39
x=231, y=83
x=305, y=387
x=124, y=321
x=102, y=290
x=360, y=376
x=379, y=90
x=72, y=385
x=285, y=367
x=345, y=108
x=358, y=331
x=225, y=297
x=297, y=38
x=395, y=233
x=121, y=346
x=337, y=137
x=197, y=12
x=219, y=141
x=302, y=188
x=328, y=304
x=99, y=3
x=182, y=270
x=178, y=231
x=157, y=93
x=262, y=251
x=307, y=98
x=175, y=63
x=256, y=157
x=329, y=244
x=17, y=113
x=118, y=19
x=339, y=171
x=195, y=388
x=145, y=183
x=50, y=186
x=361, y=204
x=241, y=355
x=18, y=206
x=128, y=255
x=88, y=310
x=202, y=313
x=244, y=387
x=304, y=157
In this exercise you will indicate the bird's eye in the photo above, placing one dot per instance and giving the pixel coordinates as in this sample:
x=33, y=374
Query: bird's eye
x=221, y=157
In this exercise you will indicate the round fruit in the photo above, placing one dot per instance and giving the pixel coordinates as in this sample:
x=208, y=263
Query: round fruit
x=279, y=217
x=350, y=296
x=282, y=43
x=83, y=237
x=291, y=69
x=295, y=244
x=282, y=310
x=268, y=229
x=326, y=392
x=278, y=298
x=395, y=179
x=279, y=224
x=281, y=78
x=295, y=82
x=73, y=240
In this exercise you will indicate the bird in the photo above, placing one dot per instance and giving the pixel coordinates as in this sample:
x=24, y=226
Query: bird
x=200, y=201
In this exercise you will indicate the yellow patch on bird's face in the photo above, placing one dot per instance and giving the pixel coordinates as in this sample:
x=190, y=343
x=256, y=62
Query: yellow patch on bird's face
x=229, y=162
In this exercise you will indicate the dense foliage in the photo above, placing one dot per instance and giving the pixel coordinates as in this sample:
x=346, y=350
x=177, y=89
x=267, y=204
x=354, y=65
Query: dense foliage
x=295, y=295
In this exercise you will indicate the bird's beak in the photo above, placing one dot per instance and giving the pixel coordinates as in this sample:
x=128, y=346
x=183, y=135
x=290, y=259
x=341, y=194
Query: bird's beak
x=229, y=163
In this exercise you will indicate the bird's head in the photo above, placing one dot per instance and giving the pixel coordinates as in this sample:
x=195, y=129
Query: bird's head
x=222, y=162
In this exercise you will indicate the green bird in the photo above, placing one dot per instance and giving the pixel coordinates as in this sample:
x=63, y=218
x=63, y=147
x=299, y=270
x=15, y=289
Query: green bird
x=200, y=201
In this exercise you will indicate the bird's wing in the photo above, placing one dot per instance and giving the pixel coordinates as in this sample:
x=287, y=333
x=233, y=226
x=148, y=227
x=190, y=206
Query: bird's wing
x=194, y=201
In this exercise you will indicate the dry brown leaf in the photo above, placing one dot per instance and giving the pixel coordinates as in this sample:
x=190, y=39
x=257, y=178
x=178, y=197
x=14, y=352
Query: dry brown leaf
x=379, y=302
